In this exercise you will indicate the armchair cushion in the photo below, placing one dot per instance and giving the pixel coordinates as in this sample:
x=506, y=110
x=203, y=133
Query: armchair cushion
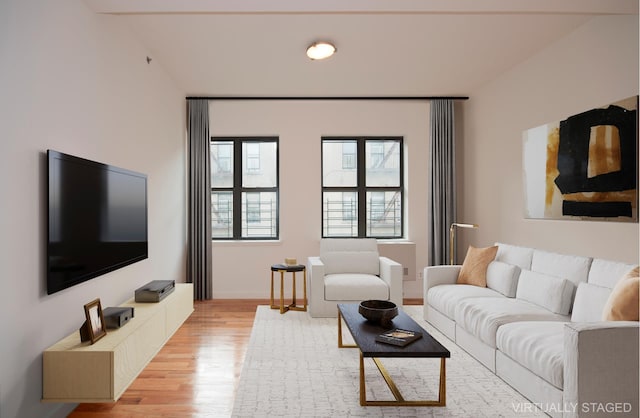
x=354, y=286
x=348, y=255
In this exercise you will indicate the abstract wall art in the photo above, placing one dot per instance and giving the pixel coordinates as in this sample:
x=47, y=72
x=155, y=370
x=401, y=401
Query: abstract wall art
x=584, y=167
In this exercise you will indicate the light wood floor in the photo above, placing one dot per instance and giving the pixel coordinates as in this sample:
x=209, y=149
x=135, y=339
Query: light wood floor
x=196, y=373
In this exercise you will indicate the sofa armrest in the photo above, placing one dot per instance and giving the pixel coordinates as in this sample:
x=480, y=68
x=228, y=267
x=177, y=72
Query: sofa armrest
x=601, y=368
x=391, y=273
x=437, y=275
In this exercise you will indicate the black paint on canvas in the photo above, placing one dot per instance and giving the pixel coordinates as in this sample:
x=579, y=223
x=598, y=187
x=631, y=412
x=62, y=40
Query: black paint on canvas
x=596, y=209
x=573, y=151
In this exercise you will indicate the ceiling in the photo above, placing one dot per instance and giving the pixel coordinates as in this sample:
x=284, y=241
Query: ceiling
x=385, y=47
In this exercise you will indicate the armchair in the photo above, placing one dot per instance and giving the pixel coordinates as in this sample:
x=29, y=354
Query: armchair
x=350, y=270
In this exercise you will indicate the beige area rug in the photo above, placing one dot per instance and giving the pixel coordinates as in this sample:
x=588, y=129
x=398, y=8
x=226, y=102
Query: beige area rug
x=294, y=368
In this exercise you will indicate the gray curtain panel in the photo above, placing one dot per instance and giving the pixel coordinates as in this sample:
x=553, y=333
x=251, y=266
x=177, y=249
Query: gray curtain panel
x=442, y=190
x=199, y=212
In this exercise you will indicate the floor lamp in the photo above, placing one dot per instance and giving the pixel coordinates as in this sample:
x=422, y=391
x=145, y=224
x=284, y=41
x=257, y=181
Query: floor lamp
x=452, y=237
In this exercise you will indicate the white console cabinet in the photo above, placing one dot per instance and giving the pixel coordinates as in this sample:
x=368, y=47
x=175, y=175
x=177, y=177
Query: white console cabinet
x=77, y=372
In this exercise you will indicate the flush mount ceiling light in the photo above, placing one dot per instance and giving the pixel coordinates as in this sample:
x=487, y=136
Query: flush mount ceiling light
x=320, y=50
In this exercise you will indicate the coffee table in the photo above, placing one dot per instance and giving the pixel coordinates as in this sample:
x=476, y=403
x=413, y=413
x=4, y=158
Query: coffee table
x=364, y=334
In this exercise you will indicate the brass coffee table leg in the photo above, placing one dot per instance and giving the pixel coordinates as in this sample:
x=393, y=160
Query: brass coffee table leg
x=400, y=401
x=340, y=343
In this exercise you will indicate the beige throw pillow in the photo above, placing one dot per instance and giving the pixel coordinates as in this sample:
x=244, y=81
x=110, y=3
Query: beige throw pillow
x=474, y=267
x=623, y=303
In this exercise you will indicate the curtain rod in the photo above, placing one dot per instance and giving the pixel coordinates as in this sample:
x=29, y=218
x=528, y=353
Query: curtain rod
x=329, y=97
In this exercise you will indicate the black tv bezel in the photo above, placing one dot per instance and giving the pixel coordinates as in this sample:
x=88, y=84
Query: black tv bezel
x=53, y=286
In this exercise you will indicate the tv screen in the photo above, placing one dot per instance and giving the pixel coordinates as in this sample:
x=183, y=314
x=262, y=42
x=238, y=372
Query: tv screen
x=97, y=219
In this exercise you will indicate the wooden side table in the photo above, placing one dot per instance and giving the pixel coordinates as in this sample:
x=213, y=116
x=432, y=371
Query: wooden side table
x=286, y=268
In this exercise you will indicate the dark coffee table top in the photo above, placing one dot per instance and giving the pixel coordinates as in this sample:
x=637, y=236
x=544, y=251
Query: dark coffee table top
x=364, y=333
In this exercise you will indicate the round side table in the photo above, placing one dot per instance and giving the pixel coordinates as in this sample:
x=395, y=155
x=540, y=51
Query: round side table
x=286, y=268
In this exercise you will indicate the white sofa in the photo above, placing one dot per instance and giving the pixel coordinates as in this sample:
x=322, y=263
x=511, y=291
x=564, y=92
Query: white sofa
x=350, y=270
x=537, y=325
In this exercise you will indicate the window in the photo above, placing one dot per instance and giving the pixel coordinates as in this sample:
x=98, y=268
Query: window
x=244, y=188
x=348, y=155
x=253, y=157
x=362, y=187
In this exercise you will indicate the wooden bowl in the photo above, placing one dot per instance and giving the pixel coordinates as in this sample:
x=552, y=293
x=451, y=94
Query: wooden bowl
x=378, y=311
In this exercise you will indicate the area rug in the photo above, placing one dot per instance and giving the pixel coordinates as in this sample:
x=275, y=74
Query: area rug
x=294, y=368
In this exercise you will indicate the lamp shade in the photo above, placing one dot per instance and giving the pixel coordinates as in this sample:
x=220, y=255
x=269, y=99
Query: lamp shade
x=320, y=50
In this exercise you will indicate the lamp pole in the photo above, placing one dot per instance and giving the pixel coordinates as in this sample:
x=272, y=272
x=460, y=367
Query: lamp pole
x=452, y=237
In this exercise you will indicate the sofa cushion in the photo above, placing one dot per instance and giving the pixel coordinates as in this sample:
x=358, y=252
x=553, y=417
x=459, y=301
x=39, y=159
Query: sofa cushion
x=571, y=267
x=589, y=303
x=348, y=255
x=445, y=298
x=607, y=273
x=474, y=267
x=552, y=293
x=482, y=317
x=623, y=303
x=503, y=278
x=353, y=286
x=513, y=254
x=538, y=346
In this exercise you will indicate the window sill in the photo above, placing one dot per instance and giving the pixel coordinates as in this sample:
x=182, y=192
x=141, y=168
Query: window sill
x=245, y=243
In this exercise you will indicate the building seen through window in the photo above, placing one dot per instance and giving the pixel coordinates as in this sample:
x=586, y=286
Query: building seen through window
x=244, y=188
x=362, y=187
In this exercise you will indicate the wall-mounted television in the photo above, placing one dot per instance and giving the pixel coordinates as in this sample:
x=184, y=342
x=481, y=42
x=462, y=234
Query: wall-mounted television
x=97, y=219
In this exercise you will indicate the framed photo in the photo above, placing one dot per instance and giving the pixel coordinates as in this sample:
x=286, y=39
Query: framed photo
x=94, y=320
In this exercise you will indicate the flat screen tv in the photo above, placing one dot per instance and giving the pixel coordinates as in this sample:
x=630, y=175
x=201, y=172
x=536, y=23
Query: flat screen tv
x=97, y=219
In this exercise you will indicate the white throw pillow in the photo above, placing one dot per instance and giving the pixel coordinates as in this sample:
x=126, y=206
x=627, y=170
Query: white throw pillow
x=549, y=292
x=503, y=277
x=571, y=267
x=589, y=302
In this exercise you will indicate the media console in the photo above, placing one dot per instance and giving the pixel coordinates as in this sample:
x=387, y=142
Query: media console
x=76, y=372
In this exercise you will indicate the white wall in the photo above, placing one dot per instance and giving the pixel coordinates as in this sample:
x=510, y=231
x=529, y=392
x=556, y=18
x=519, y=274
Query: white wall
x=595, y=65
x=79, y=83
x=242, y=269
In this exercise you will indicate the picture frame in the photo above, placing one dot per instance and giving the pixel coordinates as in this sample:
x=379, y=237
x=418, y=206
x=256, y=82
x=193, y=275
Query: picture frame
x=94, y=325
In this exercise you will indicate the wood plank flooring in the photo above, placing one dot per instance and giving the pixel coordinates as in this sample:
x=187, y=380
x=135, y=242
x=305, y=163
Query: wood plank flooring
x=196, y=373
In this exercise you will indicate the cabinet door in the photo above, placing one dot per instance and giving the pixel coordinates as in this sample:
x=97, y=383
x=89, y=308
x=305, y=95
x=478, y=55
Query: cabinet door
x=77, y=376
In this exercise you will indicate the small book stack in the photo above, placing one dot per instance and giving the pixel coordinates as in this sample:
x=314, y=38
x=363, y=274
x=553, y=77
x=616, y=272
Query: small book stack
x=399, y=337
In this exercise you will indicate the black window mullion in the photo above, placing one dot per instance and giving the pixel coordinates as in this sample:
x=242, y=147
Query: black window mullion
x=237, y=189
x=362, y=189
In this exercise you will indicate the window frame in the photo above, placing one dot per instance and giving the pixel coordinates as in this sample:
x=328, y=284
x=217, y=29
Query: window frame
x=361, y=188
x=237, y=189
